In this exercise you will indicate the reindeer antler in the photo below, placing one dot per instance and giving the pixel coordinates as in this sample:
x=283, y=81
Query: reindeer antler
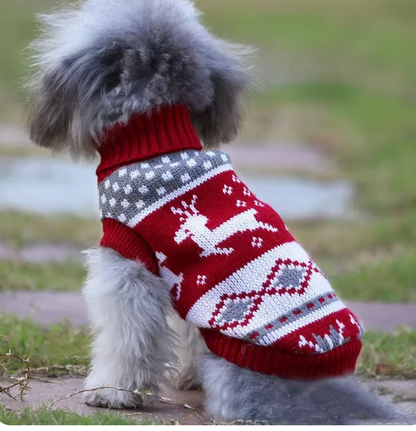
x=186, y=213
x=192, y=206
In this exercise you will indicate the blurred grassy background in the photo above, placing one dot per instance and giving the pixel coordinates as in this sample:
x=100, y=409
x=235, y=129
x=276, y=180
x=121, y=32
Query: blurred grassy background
x=341, y=77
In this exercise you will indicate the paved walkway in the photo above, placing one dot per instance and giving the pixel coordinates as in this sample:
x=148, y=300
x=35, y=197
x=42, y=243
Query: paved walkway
x=46, y=393
x=41, y=253
x=402, y=394
x=279, y=157
x=53, y=307
x=249, y=156
x=11, y=135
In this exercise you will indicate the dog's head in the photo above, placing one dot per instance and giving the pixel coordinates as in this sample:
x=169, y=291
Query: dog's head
x=103, y=61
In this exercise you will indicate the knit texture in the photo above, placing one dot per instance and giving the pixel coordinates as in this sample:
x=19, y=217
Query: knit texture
x=147, y=136
x=234, y=269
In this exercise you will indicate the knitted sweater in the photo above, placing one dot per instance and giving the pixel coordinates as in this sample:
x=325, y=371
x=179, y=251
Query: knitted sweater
x=234, y=269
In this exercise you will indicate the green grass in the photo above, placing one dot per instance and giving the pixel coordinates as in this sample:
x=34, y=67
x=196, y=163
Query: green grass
x=46, y=347
x=389, y=355
x=367, y=260
x=47, y=276
x=18, y=229
x=16, y=31
x=22, y=151
x=344, y=80
x=342, y=77
x=45, y=416
x=384, y=355
x=390, y=279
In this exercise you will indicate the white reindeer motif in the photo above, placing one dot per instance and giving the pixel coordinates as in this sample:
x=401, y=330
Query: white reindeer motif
x=170, y=277
x=194, y=227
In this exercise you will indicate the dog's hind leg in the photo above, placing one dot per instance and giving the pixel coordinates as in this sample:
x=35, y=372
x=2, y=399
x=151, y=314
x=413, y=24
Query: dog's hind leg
x=234, y=393
x=190, y=345
x=132, y=345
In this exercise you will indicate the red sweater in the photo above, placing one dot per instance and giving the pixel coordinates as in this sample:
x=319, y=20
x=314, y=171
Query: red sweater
x=233, y=267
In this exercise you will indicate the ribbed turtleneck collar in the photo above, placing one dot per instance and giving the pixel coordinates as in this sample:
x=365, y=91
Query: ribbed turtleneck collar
x=165, y=130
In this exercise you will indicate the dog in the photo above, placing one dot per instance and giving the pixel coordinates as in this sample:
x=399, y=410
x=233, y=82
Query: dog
x=143, y=84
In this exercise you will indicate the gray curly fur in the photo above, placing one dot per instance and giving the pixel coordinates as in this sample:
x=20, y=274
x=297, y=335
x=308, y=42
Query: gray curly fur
x=237, y=393
x=133, y=345
x=103, y=61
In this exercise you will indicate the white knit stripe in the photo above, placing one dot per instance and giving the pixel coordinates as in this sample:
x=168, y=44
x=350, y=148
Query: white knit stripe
x=273, y=336
x=274, y=306
x=251, y=278
x=179, y=192
x=291, y=315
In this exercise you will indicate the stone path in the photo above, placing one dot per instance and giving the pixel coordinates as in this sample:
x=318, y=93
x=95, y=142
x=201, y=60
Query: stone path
x=246, y=155
x=279, y=157
x=41, y=253
x=46, y=393
x=54, y=186
x=53, y=307
x=45, y=308
x=401, y=393
x=270, y=169
x=13, y=136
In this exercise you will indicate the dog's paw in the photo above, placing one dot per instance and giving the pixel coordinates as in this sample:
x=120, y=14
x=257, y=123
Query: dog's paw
x=186, y=384
x=114, y=399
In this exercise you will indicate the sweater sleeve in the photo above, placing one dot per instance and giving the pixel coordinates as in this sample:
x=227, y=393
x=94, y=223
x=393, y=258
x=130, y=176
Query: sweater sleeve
x=128, y=243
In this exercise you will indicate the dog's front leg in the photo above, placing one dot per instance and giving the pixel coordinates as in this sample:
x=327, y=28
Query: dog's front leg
x=132, y=344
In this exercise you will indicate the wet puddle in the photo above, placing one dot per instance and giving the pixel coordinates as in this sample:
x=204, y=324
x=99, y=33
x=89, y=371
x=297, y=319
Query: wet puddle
x=54, y=186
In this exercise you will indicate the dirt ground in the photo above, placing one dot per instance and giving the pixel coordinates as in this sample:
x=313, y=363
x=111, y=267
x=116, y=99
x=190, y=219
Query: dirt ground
x=186, y=408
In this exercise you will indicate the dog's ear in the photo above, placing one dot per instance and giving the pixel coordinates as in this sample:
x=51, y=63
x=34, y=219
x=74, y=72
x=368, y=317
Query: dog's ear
x=69, y=86
x=48, y=113
x=231, y=78
x=104, y=61
x=49, y=110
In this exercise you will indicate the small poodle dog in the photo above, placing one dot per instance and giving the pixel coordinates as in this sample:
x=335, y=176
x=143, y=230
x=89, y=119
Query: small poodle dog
x=195, y=280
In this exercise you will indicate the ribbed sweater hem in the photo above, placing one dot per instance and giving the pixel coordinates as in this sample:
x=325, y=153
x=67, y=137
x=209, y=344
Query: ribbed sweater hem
x=269, y=360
